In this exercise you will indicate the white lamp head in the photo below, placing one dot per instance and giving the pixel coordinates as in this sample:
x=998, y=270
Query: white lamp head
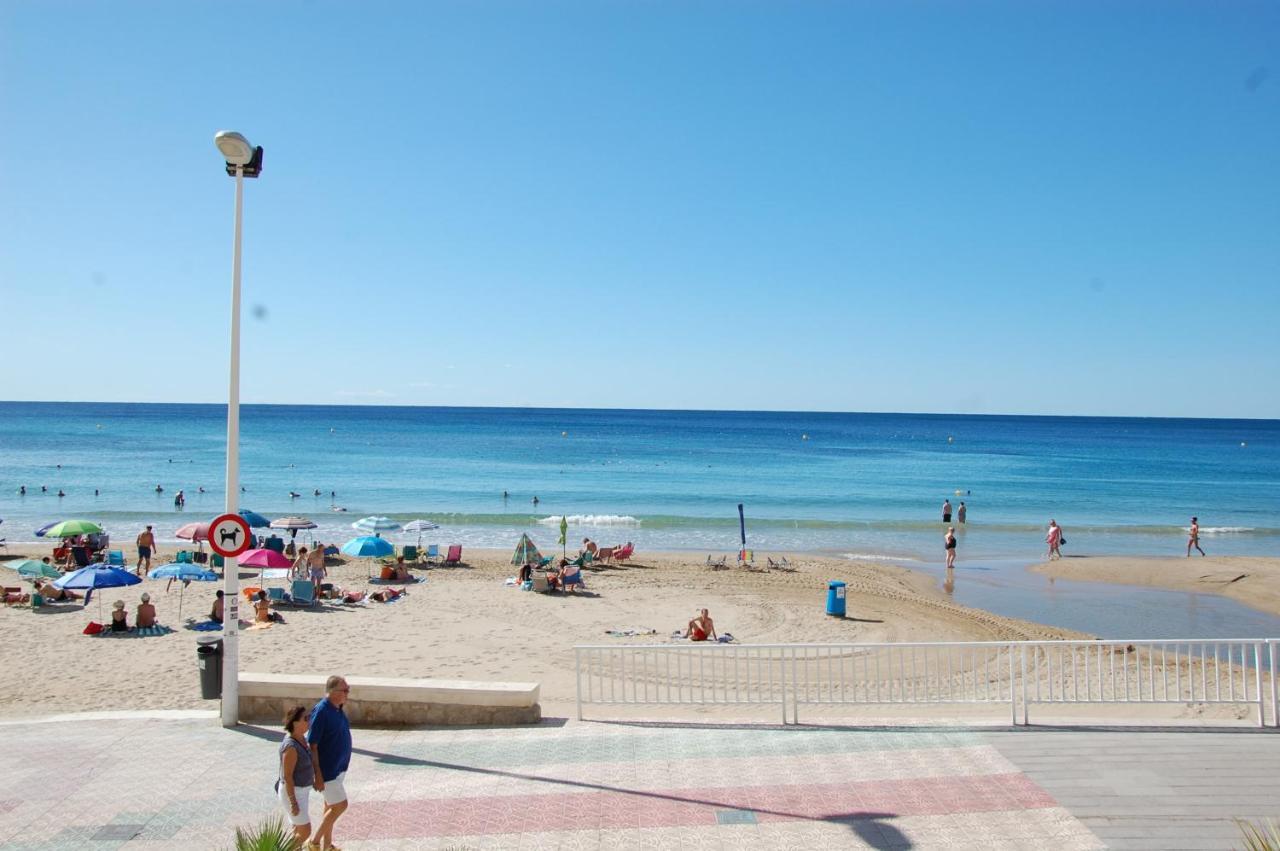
x=235, y=148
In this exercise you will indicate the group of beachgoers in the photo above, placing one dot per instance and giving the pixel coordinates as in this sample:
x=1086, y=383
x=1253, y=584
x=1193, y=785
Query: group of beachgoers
x=1054, y=537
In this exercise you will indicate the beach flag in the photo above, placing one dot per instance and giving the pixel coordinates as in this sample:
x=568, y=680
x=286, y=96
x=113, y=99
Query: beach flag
x=564, y=536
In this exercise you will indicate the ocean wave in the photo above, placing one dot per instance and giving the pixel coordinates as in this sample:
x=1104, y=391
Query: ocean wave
x=1223, y=530
x=877, y=557
x=592, y=520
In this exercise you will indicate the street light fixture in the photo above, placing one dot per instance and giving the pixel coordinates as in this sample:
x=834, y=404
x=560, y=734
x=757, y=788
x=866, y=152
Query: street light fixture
x=243, y=160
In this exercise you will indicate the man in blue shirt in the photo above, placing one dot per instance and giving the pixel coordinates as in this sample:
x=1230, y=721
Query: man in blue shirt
x=330, y=740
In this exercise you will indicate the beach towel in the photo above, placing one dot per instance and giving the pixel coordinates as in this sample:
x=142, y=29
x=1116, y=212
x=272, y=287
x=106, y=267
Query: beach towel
x=205, y=626
x=620, y=633
x=136, y=632
x=413, y=580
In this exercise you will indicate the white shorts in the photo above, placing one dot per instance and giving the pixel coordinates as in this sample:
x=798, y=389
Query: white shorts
x=334, y=793
x=303, y=794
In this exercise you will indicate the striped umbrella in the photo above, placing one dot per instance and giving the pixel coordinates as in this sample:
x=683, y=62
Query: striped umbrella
x=375, y=525
x=292, y=523
x=418, y=527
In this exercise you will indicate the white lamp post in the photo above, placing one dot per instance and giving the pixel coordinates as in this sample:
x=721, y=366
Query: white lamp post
x=243, y=160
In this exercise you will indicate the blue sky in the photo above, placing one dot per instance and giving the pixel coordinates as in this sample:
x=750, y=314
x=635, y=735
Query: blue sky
x=901, y=206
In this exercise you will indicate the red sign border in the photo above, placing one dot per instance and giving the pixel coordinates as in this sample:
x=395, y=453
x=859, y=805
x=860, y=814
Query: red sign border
x=244, y=524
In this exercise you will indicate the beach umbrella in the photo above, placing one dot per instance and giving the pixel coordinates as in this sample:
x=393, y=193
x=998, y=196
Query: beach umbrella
x=262, y=559
x=186, y=573
x=419, y=526
x=193, y=532
x=71, y=528
x=254, y=519
x=742, y=529
x=368, y=546
x=96, y=576
x=293, y=524
x=375, y=525
x=526, y=551
x=45, y=528
x=31, y=568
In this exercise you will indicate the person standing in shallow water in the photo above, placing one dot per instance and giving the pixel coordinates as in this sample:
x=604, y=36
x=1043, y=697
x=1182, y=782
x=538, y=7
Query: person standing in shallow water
x=949, y=542
x=946, y=511
x=961, y=513
x=1193, y=537
x=1054, y=539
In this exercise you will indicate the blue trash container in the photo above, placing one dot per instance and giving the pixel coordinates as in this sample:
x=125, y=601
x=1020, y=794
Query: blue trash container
x=835, y=598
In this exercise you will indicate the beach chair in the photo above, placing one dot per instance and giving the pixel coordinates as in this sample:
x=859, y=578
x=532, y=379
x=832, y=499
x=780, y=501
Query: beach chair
x=746, y=559
x=81, y=556
x=540, y=583
x=623, y=553
x=184, y=557
x=275, y=594
x=718, y=563
x=410, y=552
x=604, y=554
x=217, y=561
x=433, y=553
x=115, y=558
x=303, y=593
x=454, y=556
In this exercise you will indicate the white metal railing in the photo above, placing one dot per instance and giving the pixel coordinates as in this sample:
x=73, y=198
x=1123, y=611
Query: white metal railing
x=1015, y=674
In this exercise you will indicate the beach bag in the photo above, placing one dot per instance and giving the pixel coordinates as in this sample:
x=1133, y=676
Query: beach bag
x=1062, y=540
x=93, y=628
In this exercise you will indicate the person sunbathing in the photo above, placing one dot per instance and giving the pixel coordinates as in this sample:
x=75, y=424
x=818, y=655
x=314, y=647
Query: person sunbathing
x=146, y=616
x=50, y=592
x=701, y=627
x=386, y=595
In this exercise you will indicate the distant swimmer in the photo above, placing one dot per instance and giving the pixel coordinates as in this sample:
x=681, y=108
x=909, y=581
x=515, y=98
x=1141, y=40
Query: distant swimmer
x=535, y=500
x=60, y=493
x=946, y=511
x=339, y=508
x=160, y=489
x=317, y=492
x=22, y=490
x=179, y=499
x=1193, y=540
x=961, y=513
x=43, y=489
x=59, y=466
x=200, y=490
x=294, y=494
x=95, y=491
x=505, y=494
x=333, y=494
x=242, y=489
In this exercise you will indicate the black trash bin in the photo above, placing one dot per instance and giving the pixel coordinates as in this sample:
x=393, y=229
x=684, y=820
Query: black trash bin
x=209, y=659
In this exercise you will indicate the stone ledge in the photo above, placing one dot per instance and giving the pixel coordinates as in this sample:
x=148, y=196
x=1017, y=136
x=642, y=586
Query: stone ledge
x=394, y=702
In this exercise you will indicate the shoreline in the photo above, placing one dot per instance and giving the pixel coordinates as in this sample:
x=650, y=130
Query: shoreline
x=1253, y=581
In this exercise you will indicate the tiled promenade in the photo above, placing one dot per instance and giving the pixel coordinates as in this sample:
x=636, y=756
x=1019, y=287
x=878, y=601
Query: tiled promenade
x=159, y=783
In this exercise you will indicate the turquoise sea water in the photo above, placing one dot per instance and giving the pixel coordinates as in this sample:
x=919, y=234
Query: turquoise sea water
x=864, y=485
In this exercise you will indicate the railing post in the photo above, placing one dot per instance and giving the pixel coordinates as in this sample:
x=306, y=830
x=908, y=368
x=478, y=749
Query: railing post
x=1275, y=690
x=1013, y=695
x=1257, y=680
x=1024, y=685
x=795, y=691
x=783, y=664
x=577, y=674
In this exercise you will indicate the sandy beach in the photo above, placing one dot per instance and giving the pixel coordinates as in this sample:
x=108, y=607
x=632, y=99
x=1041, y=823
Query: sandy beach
x=465, y=623
x=1253, y=581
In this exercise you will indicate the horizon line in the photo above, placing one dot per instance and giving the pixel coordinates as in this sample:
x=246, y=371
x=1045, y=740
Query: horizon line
x=244, y=404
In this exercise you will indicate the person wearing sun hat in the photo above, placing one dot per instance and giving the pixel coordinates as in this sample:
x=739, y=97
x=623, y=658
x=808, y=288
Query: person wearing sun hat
x=146, y=612
x=119, y=620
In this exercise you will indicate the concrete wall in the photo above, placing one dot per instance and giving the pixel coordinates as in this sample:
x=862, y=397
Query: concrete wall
x=384, y=713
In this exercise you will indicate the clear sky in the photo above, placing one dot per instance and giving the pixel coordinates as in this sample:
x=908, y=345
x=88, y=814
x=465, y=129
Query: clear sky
x=1025, y=207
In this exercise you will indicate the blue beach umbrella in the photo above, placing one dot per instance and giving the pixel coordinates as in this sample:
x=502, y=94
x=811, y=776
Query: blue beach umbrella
x=368, y=546
x=45, y=528
x=96, y=576
x=254, y=519
x=185, y=572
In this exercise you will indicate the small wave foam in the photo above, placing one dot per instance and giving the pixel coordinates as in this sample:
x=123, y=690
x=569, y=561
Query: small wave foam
x=1224, y=530
x=593, y=520
x=876, y=557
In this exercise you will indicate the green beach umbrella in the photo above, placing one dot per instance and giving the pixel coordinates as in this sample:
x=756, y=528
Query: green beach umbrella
x=564, y=536
x=31, y=568
x=525, y=551
x=71, y=528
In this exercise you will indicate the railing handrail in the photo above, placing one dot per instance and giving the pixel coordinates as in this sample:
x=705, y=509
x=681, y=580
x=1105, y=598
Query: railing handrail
x=707, y=645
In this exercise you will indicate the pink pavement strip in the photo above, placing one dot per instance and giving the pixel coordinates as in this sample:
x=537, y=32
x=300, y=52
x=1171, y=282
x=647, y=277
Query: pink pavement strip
x=608, y=809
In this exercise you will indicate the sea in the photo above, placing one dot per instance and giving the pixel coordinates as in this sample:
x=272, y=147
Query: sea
x=857, y=485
